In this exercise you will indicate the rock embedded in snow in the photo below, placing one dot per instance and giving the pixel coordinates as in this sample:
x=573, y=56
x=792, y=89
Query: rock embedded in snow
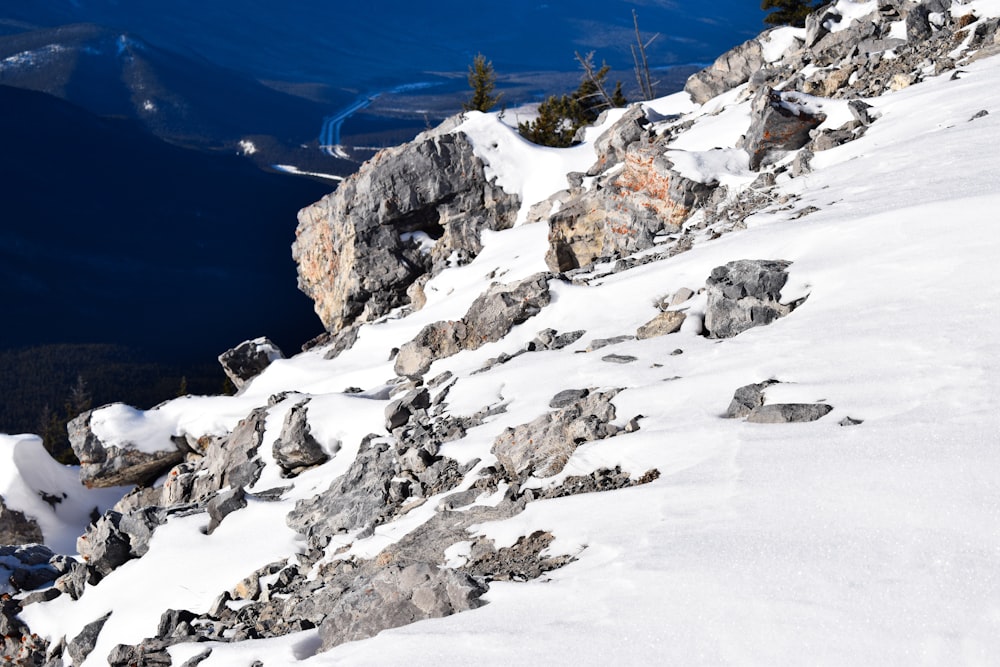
x=542, y=447
x=16, y=528
x=788, y=413
x=747, y=398
x=667, y=322
x=745, y=294
x=409, y=211
x=248, y=360
x=779, y=122
x=295, y=448
x=490, y=317
x=122, y=464
x=83, y=644
x=398, y=596
x=731, y=69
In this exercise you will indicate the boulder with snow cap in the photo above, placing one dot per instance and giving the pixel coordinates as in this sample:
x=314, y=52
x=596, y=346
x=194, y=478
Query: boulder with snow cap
x=409, y=211
x=745, y=294
x=780, y=122
x=731, y=69
x=248, y=359
x=119, y=463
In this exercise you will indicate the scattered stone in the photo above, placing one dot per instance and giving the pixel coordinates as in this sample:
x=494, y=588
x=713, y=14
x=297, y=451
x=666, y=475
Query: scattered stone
x=399, y=411
x=731, y=69
x=851, y=421
x=745, y=294
x=82, y=645
x=787, y=413
x=17, y=528
x=619, y=358
x=680, y=296
x=520, y=562
x=248, y=360
x=296, y=449
x=568, y=397
x=982, y=113
x=490, y=317
x=747, y=398
x=667, y=322
x=223, y=505
x=598, y=343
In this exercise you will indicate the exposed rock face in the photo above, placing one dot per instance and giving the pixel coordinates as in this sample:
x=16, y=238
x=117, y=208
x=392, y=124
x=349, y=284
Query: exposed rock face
x=729, y=70
x=398, y=596
x=627, y=207
x=779, y=122
x=543, y=446
x=16, y=528
x=104, y=465
x=490, y=317
x=359, y=249
x=745, y=294
x=248, y=359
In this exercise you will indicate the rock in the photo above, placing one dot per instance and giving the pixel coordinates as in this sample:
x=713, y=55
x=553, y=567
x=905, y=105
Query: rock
x=731, y=69
x=520, y=562
x=105, y=546
x=103, y=465
x=359, y=249
x=598, y=343
x=18, y=645
x=568, y=397
x=747, y=398
x=17, y=528
x=625, y=210
x=82, y=645
x=787, y=413
x=612, y=146
x=542, y=447
x=745, y=294
x=398, y=596
x=779, y=122
x=248, y=360
x=680, y=296
x=29, y=567
x=399, y=411
x=223, y=505
x=667, y=322
x=619, y=358
x=851, y=421
x=296, y=449
x=490, y=317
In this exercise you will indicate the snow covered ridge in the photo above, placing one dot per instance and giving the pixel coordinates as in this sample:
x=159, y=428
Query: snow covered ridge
x=671, y=396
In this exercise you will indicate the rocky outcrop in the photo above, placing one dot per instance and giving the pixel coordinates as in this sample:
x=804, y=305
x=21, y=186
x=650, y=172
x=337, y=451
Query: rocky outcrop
x=406, y=213
x=745, y=294
x=731, y=69
x=296, y=449
x=490, y=317
x=627, y=207
x=780, y=122
x=104, y=465
x=248, y=359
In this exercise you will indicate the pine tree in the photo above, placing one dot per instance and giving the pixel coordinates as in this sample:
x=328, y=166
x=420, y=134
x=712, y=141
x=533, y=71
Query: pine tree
x=482, y=81
x=787, y=12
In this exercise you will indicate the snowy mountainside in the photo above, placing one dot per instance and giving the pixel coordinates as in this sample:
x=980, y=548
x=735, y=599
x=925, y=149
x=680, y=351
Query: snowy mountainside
x=659, y=406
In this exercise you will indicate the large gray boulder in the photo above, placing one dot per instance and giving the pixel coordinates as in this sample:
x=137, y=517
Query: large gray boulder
x=780, y=121
x=398, y=596
x=490, y=317
x=542, y=447
x=16, y=528
x=248, y=359
x=296, y=448
x=360, y=248
x=731, y=69
x=122, y=464
x=745, y=294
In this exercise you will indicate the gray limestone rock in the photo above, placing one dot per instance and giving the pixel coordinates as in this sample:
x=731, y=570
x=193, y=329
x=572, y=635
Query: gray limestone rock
x=731, y=69
x=105, y=546
x=398, y=596
x=490, y=317
x=16, y=528
x=248, y=359
x=778, y=123
x=542, y=447
x=104, y=465
x=296, y=449
x=223, y=505
x=787, y=413
x=745, y=294
x=359, y=249
x=747, y=398
x=82, y=645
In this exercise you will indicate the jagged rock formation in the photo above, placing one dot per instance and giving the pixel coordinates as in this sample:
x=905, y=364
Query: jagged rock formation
x=248, y=359
x=745, y=294
x=359, y=249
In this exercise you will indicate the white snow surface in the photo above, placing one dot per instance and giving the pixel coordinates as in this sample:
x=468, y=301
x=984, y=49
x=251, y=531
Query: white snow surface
x=759, y=544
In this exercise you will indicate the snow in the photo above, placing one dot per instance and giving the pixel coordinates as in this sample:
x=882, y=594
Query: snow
x=849, y=11
x=781, y=40
x=27, y=471
x=758, y=544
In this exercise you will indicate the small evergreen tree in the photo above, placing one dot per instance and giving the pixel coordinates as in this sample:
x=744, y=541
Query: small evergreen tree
x=787, y=12
x=482, y=81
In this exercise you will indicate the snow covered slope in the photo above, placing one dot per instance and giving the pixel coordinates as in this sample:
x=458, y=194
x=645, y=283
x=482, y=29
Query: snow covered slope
x=868, y=536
